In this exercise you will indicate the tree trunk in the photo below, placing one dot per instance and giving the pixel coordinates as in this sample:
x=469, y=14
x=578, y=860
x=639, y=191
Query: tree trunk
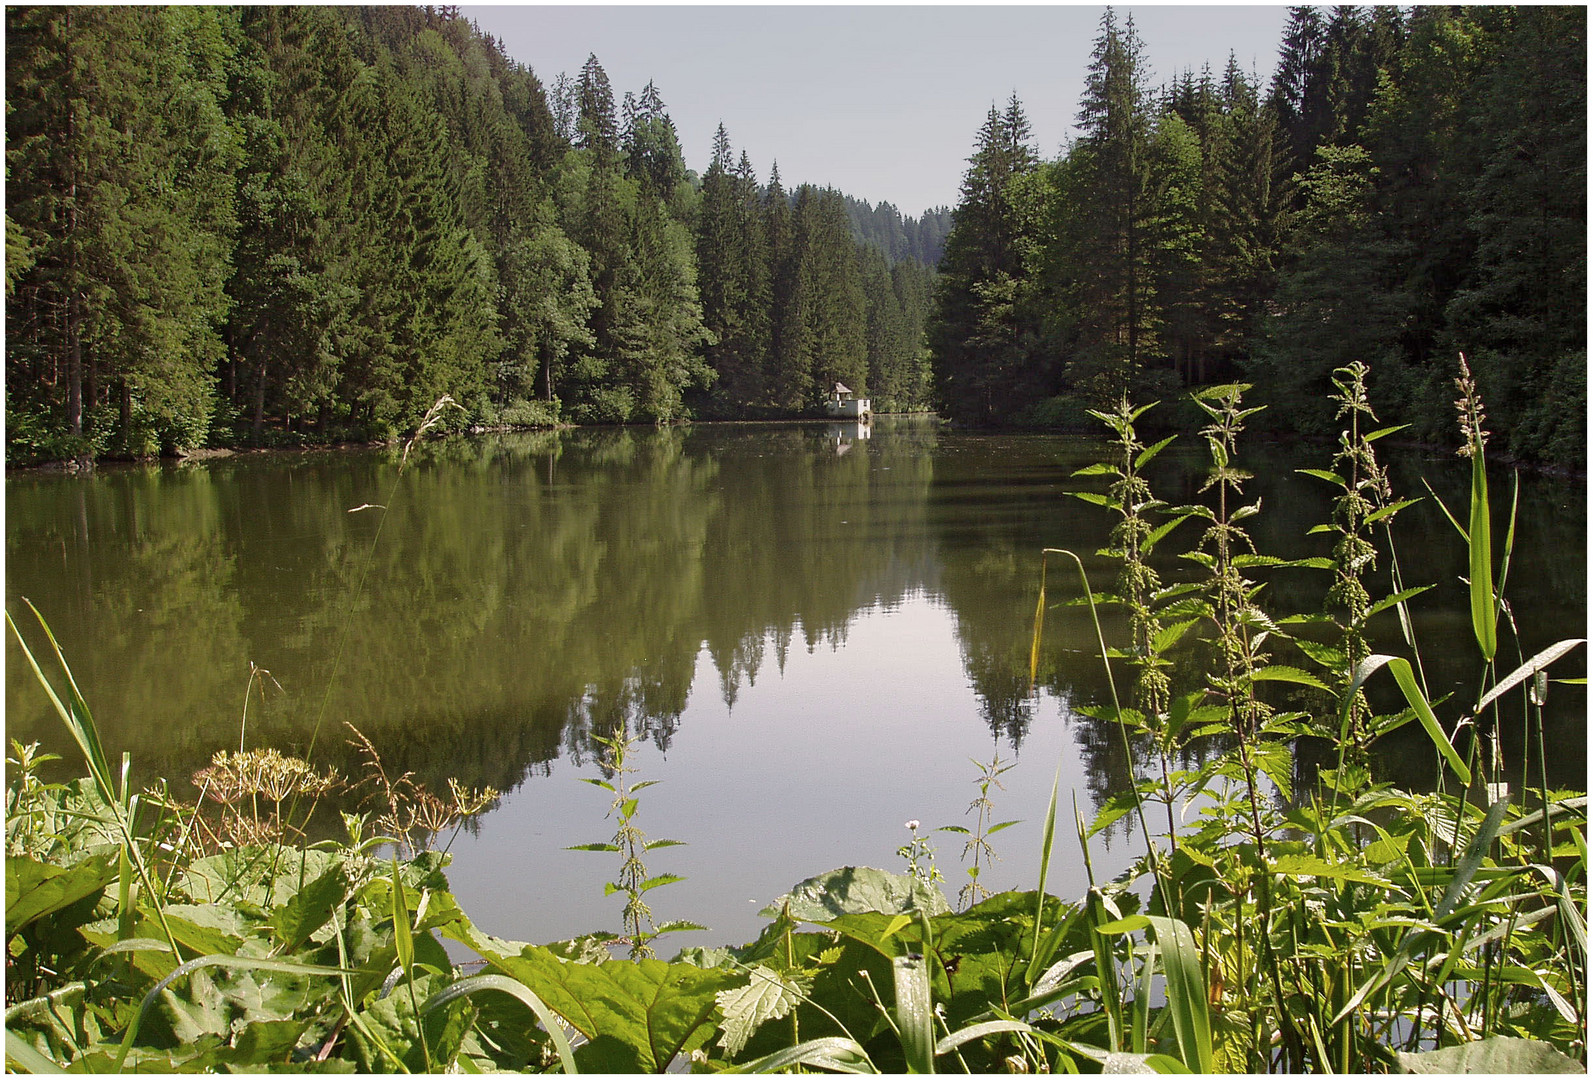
x=74, y=364
x=259, y=402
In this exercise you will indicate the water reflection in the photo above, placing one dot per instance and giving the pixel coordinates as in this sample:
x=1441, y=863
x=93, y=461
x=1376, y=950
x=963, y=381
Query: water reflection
x=527, y=591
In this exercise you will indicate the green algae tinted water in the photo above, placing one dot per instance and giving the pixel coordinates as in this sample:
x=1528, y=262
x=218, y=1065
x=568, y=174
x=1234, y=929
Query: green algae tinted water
x=813, y=629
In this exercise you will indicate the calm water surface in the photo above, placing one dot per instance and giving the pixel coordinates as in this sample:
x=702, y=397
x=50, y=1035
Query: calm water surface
x=813, y=633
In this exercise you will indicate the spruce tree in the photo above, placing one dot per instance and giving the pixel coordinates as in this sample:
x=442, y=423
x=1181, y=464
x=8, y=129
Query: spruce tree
x=983, y=331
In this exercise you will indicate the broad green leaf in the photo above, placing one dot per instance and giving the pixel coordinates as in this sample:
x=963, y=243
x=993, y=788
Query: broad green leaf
x=1498, y=1055
x=35, y=889
x=309, y=909
x=853, y=889
x=767, y=996
x=637, y=1014
x=233, y=963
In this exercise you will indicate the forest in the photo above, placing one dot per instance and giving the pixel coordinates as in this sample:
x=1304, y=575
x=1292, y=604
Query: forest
x=272, y=226
x=1411, y=186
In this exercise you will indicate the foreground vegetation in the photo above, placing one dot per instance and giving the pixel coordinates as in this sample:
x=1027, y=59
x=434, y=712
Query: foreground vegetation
x=1278, y=921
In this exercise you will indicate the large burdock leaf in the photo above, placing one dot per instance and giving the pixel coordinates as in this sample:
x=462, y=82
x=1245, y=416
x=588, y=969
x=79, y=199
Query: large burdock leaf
x=638, y=1014
x=35, y=889
x=1500, y=1055
x=852, y=890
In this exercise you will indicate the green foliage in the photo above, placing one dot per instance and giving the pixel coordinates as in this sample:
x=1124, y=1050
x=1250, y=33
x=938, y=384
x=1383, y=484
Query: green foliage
x=1352, y=927
x=631, y=844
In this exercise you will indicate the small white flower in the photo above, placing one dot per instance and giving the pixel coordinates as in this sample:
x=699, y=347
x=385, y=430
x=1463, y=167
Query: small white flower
x=913, y=824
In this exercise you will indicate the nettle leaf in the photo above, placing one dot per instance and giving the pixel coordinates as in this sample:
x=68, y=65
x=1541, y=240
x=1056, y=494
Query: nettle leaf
x=767, y=996
x=1397, y=598
x=638, y=1015
x=1169, y=635
x=1283, y=673
x=1330, y=657
x=1150, y=452
x=1314, y=867
x=1388, y=511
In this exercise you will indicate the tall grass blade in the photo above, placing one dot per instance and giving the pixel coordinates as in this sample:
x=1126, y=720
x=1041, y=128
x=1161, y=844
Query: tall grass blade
x=403, y=936
x=1406, y=678
x=1186, y=991
x=1047, y=839
x=27, y=1058
x=833, y=1053
x=521, y=992
x=1528, y=669
x=1479, y=544
x=75, y=714
x=915, y=1017
x=1039, y=622
x=1471, y=861
x=1100, y=917
x=1465, y=871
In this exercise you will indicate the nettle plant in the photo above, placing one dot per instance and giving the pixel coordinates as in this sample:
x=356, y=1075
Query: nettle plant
x=1346, y=926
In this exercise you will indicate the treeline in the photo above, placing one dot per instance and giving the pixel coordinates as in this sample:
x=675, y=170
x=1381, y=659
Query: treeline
x=1412, y=185
x=922, y=238
x=264, y=224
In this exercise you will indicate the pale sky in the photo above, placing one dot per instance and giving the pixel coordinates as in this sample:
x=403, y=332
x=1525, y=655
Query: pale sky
x=881, y=102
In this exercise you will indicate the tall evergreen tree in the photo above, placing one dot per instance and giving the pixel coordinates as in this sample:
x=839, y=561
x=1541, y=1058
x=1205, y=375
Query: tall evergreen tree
x=1105, y=260
x=983, y=332
x=120, y=162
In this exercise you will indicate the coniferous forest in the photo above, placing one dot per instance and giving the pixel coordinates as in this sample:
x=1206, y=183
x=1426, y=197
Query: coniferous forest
x=277, y=225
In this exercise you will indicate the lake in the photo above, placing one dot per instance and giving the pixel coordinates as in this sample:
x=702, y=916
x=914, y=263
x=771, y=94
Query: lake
x=814, y=633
